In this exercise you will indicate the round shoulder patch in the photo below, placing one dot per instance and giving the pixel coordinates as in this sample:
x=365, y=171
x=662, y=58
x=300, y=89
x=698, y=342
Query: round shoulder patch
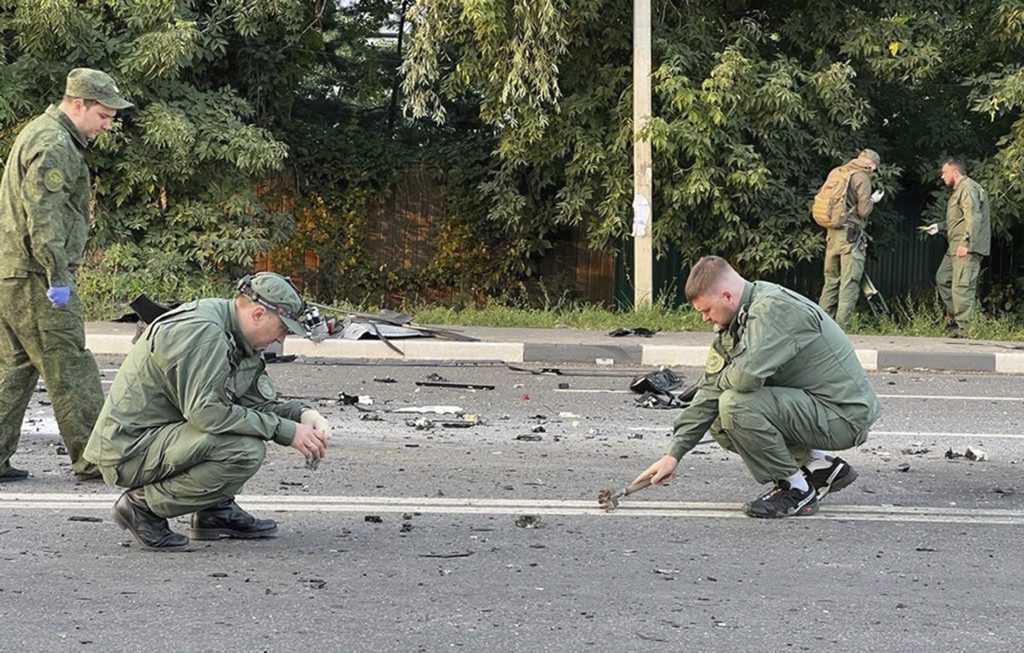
x=53, y=180
x=715, y=362
x=266, y=387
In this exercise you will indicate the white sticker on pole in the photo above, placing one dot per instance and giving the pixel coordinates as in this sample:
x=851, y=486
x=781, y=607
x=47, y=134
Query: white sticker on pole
x=641, y=216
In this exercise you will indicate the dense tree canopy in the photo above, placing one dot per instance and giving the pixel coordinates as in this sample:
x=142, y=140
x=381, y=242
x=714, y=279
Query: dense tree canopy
x=753, y=103
x=278, y=124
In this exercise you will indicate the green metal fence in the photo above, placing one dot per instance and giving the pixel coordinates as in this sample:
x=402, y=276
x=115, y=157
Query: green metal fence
x=903, y=266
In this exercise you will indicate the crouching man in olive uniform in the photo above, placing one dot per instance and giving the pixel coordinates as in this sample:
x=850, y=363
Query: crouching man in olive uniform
x=188, y=415
x=781, y=387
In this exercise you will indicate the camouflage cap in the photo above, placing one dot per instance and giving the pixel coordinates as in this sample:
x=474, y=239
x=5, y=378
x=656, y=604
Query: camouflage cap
x=278, y=294
x=871, y=155
x=90, y=84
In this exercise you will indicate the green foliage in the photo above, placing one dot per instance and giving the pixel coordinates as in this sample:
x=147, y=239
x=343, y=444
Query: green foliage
x=123, y=272
x=174, y=180
x=753, y=104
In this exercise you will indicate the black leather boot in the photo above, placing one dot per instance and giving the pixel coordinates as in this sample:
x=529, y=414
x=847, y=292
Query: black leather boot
x=226, y=519
x=131, y=512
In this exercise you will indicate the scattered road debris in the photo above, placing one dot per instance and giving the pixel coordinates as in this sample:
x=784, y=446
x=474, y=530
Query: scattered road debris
x=436, y=410
x=460, y=386
x=643, y=332
x=437, y=378
x=975, y=454
x=527, y=521
x=446, y=555
x=354, y=400
x=95, y=520
x=903, y=467
x=609, y=498
x=657, y=390
x=969, y=453
x=384, y=379
x=529, y=437
x=373, y=519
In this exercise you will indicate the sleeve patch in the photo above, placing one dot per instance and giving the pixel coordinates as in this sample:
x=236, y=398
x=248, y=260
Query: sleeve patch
x=715, y=362
x=266, y=388
x=53, y=180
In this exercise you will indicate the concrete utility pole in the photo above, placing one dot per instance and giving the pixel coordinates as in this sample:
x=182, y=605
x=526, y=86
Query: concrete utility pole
x=643, y=265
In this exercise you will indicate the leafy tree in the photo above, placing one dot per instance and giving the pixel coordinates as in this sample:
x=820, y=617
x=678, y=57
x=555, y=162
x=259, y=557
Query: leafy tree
x=174, y=179
x=753, y=102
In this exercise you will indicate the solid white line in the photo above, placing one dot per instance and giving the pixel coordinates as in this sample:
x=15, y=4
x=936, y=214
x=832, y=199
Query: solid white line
x=445, y=505
x=951, y=397
x=914, y=434
x=934, y=434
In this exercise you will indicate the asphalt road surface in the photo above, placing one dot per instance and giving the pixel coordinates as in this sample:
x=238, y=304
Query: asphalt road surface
x=489, y=538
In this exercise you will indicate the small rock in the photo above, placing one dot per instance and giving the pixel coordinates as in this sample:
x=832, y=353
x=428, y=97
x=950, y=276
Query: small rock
x=527, y=521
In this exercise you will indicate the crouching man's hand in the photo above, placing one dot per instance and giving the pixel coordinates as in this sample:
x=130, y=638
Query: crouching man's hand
x=310, y=442
x=663, y=470
x=312, y=418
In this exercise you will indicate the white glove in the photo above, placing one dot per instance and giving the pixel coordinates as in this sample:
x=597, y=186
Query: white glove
x=932, y=229
x=312, y=418
x=877, y=196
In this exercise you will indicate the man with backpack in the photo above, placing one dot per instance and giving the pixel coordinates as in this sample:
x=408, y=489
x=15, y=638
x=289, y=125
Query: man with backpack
x=842, y=206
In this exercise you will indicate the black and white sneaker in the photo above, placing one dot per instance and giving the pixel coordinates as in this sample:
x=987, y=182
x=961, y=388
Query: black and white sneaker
x=783, y=501
x=832, y=478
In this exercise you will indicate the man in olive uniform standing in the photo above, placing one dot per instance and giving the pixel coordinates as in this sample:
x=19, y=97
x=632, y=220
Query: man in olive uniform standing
x=846, y=245
x=186, y=420
x=781, y=387
x=44, y=223
x=969, y=234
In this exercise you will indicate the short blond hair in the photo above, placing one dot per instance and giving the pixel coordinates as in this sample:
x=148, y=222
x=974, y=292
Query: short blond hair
x=705, y=276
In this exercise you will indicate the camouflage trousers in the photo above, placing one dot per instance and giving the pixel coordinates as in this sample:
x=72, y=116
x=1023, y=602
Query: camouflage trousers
x=844, y=268
x=957, y=283
x=774, y=428
x=184, y=470
x=38, y=339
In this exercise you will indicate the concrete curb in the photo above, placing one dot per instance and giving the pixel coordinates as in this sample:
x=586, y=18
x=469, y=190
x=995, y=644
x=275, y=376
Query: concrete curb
x=627, y=354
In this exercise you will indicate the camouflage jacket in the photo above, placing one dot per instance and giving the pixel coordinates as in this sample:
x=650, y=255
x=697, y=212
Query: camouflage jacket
x=44, y=201
x=191, y=365
x=779, y=338
x=968, y=222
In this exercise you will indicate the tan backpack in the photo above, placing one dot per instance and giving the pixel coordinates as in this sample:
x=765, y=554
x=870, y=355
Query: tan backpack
x=829, y=208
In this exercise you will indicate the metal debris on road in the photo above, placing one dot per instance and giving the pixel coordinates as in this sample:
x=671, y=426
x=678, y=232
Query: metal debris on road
x=529, y=437
x=527, y=521
x=436, y=410
x=459, y=386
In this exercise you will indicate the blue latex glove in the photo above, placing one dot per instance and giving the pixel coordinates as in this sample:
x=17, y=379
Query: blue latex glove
x=59, y=295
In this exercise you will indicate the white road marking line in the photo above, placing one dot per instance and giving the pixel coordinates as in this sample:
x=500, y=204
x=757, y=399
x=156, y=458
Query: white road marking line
x=436, y=505
x=952, y=397
x=902, y=434
x=939, y=434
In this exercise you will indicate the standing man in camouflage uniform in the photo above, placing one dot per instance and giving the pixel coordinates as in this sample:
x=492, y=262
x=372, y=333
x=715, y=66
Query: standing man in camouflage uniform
x=188, y=415
x=781, y=386
x=44, y=222
x=969, y=234
x=846, y=246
